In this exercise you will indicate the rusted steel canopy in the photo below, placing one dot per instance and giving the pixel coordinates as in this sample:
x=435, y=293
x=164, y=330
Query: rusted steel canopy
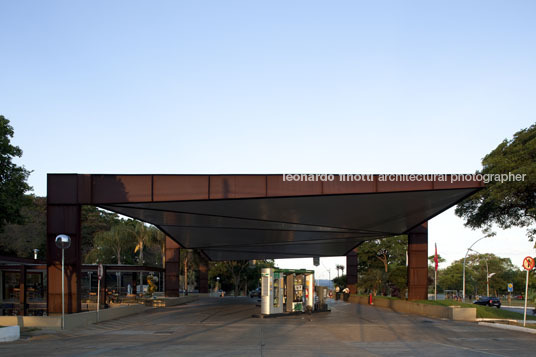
x=263, y=216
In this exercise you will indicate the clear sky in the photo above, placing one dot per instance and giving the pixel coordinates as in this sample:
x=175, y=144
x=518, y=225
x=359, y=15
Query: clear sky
x=270, y=87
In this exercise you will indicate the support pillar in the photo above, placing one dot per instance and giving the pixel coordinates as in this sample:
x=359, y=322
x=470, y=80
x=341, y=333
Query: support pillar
x=134, y=284
x=418, y=263
x=103, y=287
x=63, y=219
x=203, y=274
x=351, y=272
x=22, y=290
x=172, y=268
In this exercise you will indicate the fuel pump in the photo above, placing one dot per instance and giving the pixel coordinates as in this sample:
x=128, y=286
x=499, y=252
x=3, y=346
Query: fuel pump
x=286, y=290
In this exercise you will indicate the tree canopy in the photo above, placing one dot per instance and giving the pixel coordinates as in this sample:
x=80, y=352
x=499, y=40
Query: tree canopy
x=509, y=203
x=382, y=265
x=477, y=266
x=13, y=178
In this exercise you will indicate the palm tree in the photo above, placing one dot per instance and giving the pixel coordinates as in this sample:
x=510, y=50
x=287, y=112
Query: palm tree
x=339, y=267
x=144, y=236
x=159, y=239
x=118, y=237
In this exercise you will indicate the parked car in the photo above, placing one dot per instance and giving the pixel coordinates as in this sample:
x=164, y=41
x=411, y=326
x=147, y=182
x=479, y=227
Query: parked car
x=488, y=301
x=255, y=293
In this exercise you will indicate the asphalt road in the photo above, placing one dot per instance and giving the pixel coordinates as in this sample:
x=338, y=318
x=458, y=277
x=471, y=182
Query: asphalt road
x=224, y=327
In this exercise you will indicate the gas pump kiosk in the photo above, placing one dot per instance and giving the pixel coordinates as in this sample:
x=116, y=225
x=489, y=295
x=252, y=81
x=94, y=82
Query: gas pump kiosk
x=286, y=290
x=271, y=291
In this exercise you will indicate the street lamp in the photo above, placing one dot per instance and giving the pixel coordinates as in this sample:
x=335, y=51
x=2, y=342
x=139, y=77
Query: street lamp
x=468, y=249
x=488, y=275
x=63, y=242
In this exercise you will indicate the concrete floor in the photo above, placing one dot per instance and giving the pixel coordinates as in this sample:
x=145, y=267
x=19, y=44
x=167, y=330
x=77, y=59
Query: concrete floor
x=224, y=327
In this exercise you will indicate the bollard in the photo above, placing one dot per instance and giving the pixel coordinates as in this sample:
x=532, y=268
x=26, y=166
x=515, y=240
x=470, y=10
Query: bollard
x=370, y=299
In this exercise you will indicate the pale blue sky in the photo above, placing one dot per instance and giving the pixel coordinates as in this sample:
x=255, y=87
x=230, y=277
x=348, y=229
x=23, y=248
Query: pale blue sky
x=268, y=87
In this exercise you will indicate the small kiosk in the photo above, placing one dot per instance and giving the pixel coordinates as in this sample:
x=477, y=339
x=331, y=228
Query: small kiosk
x=286, y=291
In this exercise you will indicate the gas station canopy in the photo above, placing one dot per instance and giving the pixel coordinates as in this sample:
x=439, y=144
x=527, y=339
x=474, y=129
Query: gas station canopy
x=232, y=217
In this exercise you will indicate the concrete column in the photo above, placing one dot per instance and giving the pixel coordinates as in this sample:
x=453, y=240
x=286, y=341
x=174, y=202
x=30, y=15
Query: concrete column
x=418, y=263
x=351, y=271
x=172, y=268
x=63, y=219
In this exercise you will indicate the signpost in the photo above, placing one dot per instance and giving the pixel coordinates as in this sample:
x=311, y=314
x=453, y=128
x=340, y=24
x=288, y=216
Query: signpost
x=510, y=290
x=528, y=264
x=100, y=271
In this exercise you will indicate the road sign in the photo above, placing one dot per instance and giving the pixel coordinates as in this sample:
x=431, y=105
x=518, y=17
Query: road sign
x=100, y=271
x=510, y=287
x=528, y=263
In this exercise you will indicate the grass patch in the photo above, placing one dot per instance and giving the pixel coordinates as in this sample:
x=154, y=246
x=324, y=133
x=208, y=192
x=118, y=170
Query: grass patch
x=484, y=312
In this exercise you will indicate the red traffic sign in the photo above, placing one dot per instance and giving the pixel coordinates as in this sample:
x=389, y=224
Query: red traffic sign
x=100, y=271
x=528, y=263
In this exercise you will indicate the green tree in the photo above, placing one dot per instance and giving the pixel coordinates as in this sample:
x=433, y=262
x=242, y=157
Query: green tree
x=93, y=220
x=510, y=203
x=339, y=267
x=340, y=281
x=13, y=178
x=236, y=268
x=21, y=239
x=113, y=246
x=145, y=236
x=382, y=265
x=505, y=272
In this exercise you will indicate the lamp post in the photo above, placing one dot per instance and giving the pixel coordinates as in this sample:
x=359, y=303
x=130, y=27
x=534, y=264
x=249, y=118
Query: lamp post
x=488, y=275
x=468, y=249
x=63, y=242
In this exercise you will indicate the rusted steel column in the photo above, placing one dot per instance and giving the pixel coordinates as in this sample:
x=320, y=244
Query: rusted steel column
x=203, y=274
x=418, y=263
x=22, y=290
x=134, y=283
x=172, y=268
x=103, y=286
x=63, y=219
x=351, y=271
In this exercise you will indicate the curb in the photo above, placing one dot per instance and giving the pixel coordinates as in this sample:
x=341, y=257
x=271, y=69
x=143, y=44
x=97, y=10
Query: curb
x=9, y=333
x=508, y=327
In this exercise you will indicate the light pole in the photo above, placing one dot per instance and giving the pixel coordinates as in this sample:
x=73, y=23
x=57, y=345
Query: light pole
x=468, y=249
x=488, y=275
x=63, y=242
